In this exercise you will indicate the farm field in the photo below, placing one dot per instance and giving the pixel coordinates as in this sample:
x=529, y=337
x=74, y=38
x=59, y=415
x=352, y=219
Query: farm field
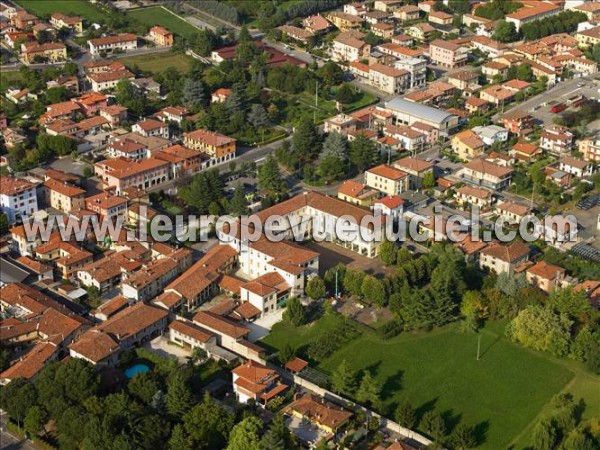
x=157, y=15
x=501, y=395
x=44, y=8
x=159, y=62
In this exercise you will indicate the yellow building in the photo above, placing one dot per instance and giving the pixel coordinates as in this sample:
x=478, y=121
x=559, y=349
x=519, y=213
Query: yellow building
x=588, y=38
x=50, y=51
x=467, y=145
x=215, y=145
x=344, y=21
x=58, y=21
x=320, y=413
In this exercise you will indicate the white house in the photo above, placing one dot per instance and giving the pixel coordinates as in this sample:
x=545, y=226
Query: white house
x=17, y=198
x=491, y=134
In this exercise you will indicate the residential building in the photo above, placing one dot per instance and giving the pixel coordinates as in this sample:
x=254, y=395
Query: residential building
x=296, y=33
x=518, y=122
x=383, y=30
x=161, y=36
x=487, y=174
x=546, y=277
x=217, y=146
x=18, y=198
x=255, y=382
x=316, y=24
x=350, y=47
x=114, y=114
x=220, y=95
x=407, y=13
x=531, y=11
x=344, y=21
x=590, y=148
x=387, y=5
x=23, y=20
x=60, y=21
x=417, y=69
x=494, y=69
x=357, y=193
x=183, y=160
x=128, y=328
x=51, y=52
x=447, y=54
x=497, y=95
x=416, y=168
x=109, y=44
x=440, y=18
x=420, y=31
x=122, y=173
x=106, y=205
x=576, y=167
x=266, y=294
x=127, y=148
x=107, y=272
x=63, y=196
x=511, y=212
x=320, y=413
x=342, y=124
x=525, y=151
x=476, y=105
x=151, y=127
x=473, y=196
x=189, y=335
x=102, y=81
x=467, y=145
x=410, y=138
x=390, y=205
x=32, y=363
x=67, y=256
x=491, y=134
x=501, y=258
x=389, y=79
x=588, y=38
x=387, y=179
x=490, y=47
x=590, y=9
x=557, y=139
x=465, y=80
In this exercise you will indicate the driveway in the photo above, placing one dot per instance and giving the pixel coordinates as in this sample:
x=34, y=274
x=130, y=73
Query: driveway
x=261, y=327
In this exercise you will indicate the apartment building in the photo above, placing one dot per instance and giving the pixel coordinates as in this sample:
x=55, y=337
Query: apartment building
x=387, y=179
x=217, y=146
x=590, y=148
x=416, y=168
x=50, y=51
x=532, y=11
x=122, y=173
x=60, y=21
x=342, y=124
x=183, y=160
x=161, y=36
x=389, y=79
x=417, y=69
x=357, y=193
x=350, y=47
x=518, y=122
x=344, y=21
x=102, y=81
x=481, y=172
x=410, y=138
x=106, y=205
x=18, y=198
x=63, y=196
x=576, y=167
x=120, y=42
x=127, y=148
x=501, y=258
x=557, y=140
x=448, y=54
x=588, y=38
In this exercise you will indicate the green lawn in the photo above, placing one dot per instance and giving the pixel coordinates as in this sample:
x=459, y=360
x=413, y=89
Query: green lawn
x=157, y=15
x=83, y=8
x=7, y=78
x=502, y=394
x=159, y=62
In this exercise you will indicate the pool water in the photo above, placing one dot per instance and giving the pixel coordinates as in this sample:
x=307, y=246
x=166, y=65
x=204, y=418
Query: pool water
x=137, y=369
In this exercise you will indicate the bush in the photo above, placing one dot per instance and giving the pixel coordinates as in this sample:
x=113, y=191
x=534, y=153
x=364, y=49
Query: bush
x=391, y=329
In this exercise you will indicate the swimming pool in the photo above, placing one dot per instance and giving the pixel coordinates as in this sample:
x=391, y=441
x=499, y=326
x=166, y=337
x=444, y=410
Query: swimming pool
x=136, y=369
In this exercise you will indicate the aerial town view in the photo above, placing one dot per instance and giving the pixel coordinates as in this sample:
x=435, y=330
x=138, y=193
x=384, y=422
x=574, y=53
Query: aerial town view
x=299, y=224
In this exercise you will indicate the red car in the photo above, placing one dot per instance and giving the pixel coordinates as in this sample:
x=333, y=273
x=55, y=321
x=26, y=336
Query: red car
x=558, y=108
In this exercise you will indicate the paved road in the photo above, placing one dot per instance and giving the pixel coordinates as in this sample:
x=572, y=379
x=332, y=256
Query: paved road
x=559, y=92
x=10, y=442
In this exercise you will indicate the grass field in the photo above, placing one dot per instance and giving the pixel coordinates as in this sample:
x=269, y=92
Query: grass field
x=44, y=8
x=502, y=394
x=158, y=15
x=6, y=78
x=159, y=62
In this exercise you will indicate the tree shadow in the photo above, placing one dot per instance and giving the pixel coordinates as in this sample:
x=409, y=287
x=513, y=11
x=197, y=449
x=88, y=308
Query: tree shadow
x=373, y=368
x=427, y=406
x=451, y=420
x=489, y=347
x=480, y=430
x=392, y=384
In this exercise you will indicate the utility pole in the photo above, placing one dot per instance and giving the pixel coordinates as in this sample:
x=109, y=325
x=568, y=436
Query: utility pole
x=478, y=346
x=336, y=283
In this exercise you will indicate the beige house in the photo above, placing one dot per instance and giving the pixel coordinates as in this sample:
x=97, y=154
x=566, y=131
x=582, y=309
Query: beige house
x=512, y=212
x=546, y=277
x=501, y=258
x=467, y=145
x=387, y=179
x=473, y=196
x=350, y=47
x=416, y=168
x=588, y=38
x=590, y=148
x=63, y=195
x=447, y=54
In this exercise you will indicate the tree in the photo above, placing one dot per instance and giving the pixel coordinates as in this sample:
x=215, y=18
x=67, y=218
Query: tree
x=524, y=72
x=369, y=391
x=143, y=386
x=179, y=439
x=429, y=180
x=331, y=74
x=270, y=181
x=245, y=435
x=434, y=425
x=373, y=290
x=257, y=116
x=286, y=354
x=16, y=399
x=179, y=395
x=335, y=145
x=343, y=379
x=193, y=94
x=463, y=437
x=3, y=223
x=331, y=168
x=353, y=281
x=238, y=206
x=388, y=253
x=244, y=35
x=505, y=32
x=345, y=94
x=305, y=140
x=363, y=153
x=278, y=436
x=315, y=288
x=208, y=424
x=544, y=435
x=295, y=312
x=406, y=415
x=574, y=305
x=34, y=420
